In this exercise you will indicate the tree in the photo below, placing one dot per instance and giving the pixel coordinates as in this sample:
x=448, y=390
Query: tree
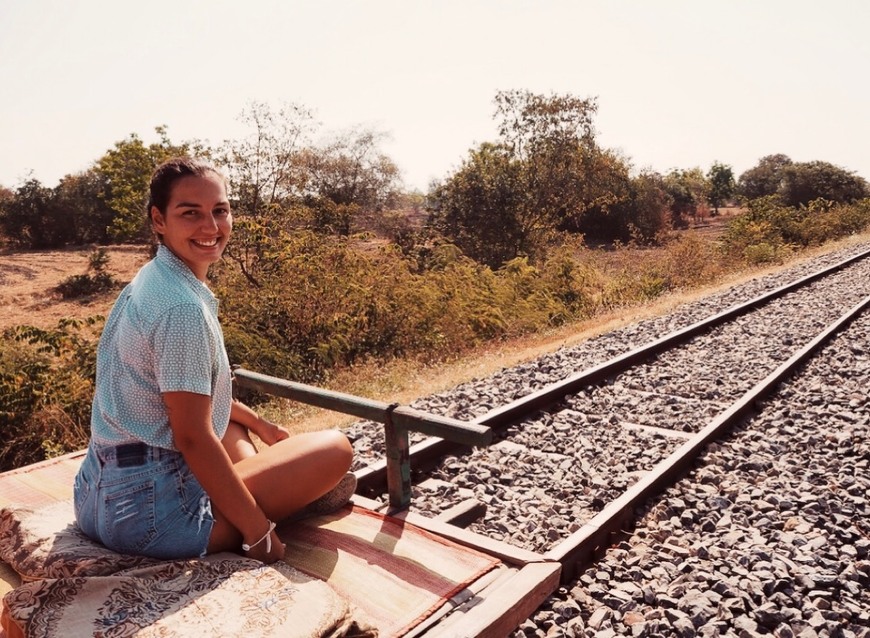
x=6, y=199
x=722, y=185
x=349, y=177
x=266, y=168
x=511, y=195
x=605, y=188
x=689, y=190
x=126, y=173
x=804, y=182
x=79, y=197
x=646, y=213
x=476, y=208
x=30, y=218
x=764, y=178
x=553, y=139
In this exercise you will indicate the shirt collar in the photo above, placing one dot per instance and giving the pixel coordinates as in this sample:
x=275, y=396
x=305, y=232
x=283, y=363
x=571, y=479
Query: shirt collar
x=170, y=260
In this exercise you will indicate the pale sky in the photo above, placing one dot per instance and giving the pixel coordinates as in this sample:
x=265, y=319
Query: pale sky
x=679, y=83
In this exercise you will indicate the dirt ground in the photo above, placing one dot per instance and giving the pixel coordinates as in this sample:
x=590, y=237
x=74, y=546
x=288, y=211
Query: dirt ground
x=28, y=280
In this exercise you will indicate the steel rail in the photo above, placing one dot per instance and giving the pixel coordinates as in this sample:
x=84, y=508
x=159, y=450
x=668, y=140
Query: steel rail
x=371, y=479
x=582, y=547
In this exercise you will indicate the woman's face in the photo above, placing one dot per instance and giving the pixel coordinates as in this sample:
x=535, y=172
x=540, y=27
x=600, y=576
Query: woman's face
x=197, y=223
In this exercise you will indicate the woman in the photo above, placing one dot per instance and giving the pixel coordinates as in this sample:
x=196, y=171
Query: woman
x=171, y=470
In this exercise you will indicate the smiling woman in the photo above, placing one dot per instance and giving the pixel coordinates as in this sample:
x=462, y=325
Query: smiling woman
x=171, y=469
x=191, y=214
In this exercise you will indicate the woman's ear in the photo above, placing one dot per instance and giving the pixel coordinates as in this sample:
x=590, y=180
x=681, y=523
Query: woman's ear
x=158, y=222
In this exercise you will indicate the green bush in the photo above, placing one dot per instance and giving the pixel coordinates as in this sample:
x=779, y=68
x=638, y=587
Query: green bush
x=769, y=230
x=46, y=388
x=84, y=285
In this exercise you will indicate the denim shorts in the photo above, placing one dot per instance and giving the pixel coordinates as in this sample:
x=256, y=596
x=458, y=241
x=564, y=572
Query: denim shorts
x=137, y=499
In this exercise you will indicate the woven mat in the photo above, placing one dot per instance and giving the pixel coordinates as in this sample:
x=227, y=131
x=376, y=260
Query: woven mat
x=41, y=483
x=395, y=572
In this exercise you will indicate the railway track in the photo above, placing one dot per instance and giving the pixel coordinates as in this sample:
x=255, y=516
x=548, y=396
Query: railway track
x=573, y=460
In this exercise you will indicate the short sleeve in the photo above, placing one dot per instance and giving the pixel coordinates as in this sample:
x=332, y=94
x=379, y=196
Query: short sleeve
x=184, y=351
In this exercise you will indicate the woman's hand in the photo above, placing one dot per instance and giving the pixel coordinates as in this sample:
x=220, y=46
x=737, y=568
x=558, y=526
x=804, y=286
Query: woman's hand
x=270, y=433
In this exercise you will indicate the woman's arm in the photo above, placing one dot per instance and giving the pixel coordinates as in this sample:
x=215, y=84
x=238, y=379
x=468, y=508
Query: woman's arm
x=268, y=432
x=190, y=421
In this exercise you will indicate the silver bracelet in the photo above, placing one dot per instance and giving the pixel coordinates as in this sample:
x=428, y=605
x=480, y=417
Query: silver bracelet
x=266, y=537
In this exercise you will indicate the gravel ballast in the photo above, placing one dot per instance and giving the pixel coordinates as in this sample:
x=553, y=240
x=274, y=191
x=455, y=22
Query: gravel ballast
x=769, y=534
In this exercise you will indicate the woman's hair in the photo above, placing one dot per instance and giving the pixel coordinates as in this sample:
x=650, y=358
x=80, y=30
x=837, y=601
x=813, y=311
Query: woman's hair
x=168, y=173
x=164, y=177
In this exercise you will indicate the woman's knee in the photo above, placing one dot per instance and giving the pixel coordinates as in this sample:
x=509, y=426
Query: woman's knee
x=339, y=447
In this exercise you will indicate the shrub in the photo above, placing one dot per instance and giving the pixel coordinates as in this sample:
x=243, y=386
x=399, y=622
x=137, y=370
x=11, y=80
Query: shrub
x=89, y=284
x=769, y=230
x=46, y=388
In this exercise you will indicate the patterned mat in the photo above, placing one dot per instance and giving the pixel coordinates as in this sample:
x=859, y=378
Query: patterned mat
x=395, y=573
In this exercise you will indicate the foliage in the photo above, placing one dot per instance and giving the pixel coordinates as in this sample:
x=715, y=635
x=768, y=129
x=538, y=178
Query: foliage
x=604, y=191
x=639, y=210
x=125, y=171
x=479, y=208
x=770, y=230
x=327, y=303
x=35, y=216
x=266, y=168
x=348, y=180
x=764, y=178
x=31, y=218
x=516, y=192
x=279, y=177
x=79, y=197
x=649, y=213
x=722, y=185
x=807, y=181
x=799, y=183
x=46, y=386
x=689, y=191
x=347, y=305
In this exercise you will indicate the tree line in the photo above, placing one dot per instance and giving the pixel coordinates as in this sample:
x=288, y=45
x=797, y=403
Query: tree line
x=545, y=177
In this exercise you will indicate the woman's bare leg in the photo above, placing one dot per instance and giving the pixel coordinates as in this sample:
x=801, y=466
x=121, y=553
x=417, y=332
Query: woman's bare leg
x=285, y=477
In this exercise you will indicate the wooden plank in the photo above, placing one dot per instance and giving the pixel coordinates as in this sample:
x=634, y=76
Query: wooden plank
x=504, y=608
x=465, y=599
x=397, y=442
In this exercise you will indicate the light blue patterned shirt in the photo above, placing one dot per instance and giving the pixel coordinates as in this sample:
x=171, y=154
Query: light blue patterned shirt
x=162, y=336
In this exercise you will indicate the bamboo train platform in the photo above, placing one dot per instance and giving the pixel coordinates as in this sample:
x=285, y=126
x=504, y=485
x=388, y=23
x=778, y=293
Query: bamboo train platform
x=370, y=569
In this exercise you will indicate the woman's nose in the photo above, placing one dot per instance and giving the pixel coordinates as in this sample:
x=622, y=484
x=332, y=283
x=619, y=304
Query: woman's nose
x=210, y=222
